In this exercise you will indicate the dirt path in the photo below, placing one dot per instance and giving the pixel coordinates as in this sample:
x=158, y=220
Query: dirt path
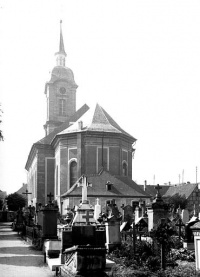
x=18, y=258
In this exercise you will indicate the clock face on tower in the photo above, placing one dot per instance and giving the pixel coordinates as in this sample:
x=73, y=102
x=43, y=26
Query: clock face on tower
x=62, y=90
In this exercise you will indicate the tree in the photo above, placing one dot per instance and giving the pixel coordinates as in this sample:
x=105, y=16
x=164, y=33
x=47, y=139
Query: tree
x=15, y=201
x=1, y=133
x=177, y=201
x=1, y=204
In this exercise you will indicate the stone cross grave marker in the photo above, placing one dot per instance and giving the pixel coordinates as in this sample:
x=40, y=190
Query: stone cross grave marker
x=27, y=193
x=84, y=184
x=50, y=196
x=179, y=224
x=87, y=216
x=158, y=188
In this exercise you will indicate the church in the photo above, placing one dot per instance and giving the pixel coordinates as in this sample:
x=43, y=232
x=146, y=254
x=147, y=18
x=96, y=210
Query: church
x=84, y=142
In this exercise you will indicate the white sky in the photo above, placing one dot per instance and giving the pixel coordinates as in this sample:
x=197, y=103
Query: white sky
x=140, y=60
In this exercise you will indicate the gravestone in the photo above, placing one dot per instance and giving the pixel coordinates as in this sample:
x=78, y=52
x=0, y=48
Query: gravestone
x=189, y=237
x=47, y=220
x=196, y=233
x=157, y=210
x=84, y=212
x=137, y=213
x=97, y=210
x=112, y=225
x=87, y=255
x=128, y=214
x=185, y=216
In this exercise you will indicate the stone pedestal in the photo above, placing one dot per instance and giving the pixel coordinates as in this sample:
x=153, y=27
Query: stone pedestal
x=196, y=232
x=113, y=236
x=157, y=210
x=84, y=261
x=47, y=220
x=188, y=245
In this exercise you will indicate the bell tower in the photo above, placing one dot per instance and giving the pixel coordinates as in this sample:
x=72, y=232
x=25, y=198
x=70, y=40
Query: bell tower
x=60, y=91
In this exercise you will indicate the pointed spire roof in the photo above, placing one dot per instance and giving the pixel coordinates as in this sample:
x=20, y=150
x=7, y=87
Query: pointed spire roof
x=61, y=43
x=61, y=46
x=97, y=120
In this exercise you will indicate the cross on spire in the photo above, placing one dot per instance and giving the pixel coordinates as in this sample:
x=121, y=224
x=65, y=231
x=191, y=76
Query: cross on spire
x=84, y=184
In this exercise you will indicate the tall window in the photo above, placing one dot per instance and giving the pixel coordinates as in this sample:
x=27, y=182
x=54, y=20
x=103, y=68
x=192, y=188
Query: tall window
x=124, y=169
x=73, y=173
x=62, y=107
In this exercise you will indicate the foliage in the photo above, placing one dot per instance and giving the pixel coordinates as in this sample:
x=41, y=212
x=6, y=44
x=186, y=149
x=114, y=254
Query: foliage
x=187, y=270
x=15, y=201
x=177, y=201
x=182, y=254
x=146, y=261
x=1, y=204
x=176, y=243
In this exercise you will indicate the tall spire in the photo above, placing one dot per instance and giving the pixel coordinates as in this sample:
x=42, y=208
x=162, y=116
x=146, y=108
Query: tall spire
x=60, y=56
x=61, y=47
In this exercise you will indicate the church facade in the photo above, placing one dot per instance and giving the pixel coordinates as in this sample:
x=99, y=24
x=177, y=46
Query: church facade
x=76, y=143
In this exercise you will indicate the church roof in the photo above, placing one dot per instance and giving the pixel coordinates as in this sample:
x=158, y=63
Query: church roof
x=121, y=186
x=62, y=73
x=48, y=139
x=61, y=45
x=98, y=120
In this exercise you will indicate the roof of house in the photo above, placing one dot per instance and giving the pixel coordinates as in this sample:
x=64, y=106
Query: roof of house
x=150, y=189
x=98, y=120
x=22, y=189
x=3, y=194
x=120, y=187
x=184, y=190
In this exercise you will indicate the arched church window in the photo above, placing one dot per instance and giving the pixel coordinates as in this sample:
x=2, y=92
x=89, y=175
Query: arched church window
x=124, y=169
x=62, y=107
x=73, y=173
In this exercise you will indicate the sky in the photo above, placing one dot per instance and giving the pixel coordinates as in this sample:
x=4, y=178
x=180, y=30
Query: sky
x=140, y=60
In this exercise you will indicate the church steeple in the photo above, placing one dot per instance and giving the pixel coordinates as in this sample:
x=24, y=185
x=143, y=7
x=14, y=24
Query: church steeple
x=60, y=56
x=60, y=91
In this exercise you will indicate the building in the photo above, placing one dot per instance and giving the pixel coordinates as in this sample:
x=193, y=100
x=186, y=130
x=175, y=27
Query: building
x=189, y=191
x=84, y=142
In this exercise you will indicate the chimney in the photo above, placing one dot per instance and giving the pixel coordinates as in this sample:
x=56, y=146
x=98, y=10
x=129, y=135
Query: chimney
x=145, y=184
x=80, y=125
x=108, y=185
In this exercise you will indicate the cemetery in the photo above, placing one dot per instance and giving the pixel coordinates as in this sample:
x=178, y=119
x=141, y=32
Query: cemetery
x=143, y=240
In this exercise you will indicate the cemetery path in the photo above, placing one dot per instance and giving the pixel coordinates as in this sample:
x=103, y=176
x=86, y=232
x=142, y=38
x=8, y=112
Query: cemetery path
x=18, y=258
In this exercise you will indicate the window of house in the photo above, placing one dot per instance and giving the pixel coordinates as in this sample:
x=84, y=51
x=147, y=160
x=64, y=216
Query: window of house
x=73, y=173
x=62, y=107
